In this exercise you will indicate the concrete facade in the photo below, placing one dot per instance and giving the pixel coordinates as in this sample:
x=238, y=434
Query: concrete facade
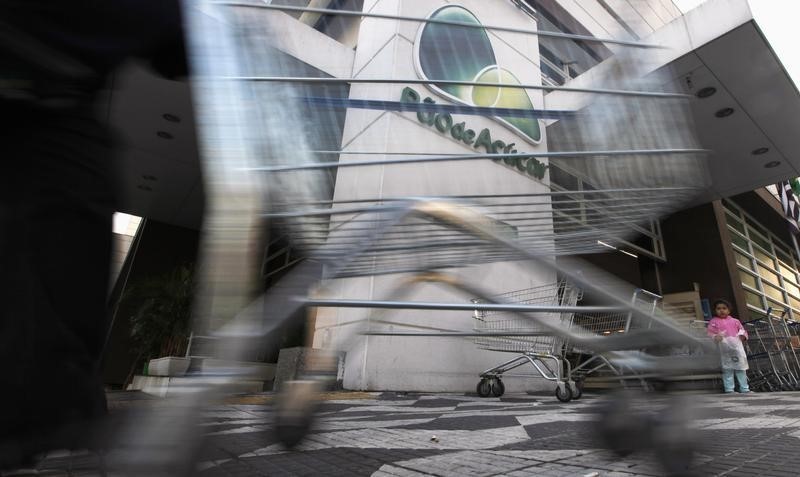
x=387, y=49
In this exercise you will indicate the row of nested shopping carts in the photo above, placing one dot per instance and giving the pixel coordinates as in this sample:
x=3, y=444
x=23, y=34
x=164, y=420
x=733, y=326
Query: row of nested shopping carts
x=772, y=350
x=553, y=357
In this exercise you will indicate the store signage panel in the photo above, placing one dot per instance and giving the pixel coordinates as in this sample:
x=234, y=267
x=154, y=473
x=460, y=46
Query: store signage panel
x=447, y=52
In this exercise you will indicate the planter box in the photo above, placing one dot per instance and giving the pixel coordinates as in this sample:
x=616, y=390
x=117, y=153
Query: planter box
x=168, y=366
x=160, y=385
x=250, y=370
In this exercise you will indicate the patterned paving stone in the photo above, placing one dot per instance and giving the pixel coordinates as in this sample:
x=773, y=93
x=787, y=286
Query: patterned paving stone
x=437, y=403
x=396, y=434
x=470, y=423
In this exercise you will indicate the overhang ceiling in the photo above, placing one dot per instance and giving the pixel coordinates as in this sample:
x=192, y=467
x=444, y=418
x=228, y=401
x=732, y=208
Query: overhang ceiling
x=748, y=78
x=159, y=171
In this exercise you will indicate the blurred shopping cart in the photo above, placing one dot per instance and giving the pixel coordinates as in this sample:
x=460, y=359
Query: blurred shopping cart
x=364, y=212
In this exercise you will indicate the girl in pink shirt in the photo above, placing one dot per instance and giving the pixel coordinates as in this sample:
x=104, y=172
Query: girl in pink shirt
x=730, y=334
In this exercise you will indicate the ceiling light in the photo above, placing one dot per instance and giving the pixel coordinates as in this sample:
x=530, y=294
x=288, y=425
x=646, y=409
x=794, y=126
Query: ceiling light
x=171, y=117
x=724, y=112
x=759, y=151
x=164, y=135
x=772, y=164
x=706, y=92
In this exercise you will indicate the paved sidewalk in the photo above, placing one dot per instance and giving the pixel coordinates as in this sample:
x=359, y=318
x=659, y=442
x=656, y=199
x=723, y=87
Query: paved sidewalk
x=519, y=435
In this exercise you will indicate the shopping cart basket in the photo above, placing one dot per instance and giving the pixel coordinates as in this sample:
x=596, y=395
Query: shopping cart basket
x=536, y=350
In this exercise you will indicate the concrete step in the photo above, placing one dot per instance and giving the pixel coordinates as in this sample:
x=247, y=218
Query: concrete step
x=164, y=386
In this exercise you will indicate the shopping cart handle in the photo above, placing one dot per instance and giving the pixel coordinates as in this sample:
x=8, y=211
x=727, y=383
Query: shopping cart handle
x=754, y=320
x=648, y=293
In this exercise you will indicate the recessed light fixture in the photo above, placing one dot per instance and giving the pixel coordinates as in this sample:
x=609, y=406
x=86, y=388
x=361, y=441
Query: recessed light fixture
x=144, y=187
x=724, y=112
x=706, y=92
x=171, y=117
x=164, y=135
x=772, y=164
x=149, y=177
x=759, y=151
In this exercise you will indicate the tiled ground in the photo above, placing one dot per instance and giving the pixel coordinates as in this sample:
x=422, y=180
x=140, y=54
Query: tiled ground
x=447, y=435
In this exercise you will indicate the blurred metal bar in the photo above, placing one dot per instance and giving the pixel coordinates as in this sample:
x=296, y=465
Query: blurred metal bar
x=465, y=334
x=470, y=157
x=352, y=13
x=571, y=89
x=420, y=305
x=395, y=206
x=641, y=192
x=644, y=192
x=404, y=106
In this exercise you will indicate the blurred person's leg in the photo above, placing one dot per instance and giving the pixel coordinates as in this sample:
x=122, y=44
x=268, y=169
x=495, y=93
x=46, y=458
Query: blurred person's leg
x=741, y=377
x=56, y=205
x=727, y=380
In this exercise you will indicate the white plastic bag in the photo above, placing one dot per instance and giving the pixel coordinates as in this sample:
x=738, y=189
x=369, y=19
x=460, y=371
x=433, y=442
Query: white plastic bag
x=732, y=353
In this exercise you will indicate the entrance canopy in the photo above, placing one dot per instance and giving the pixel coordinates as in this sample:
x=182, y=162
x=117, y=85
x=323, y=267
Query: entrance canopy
x=747, y=108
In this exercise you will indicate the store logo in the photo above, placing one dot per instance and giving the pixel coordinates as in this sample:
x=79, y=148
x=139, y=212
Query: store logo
x=447, y=52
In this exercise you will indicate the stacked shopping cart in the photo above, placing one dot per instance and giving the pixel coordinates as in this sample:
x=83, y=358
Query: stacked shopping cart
x=772, y=353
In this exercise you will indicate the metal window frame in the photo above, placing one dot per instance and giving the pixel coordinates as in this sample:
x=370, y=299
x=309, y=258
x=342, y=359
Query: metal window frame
x=775, y=243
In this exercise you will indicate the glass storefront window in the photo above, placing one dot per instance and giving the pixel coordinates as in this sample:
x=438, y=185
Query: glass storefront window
x=773, y=292
x=777, y=307
x=768, y=275
x=735, y=223
x=748, y=279
x=794, y=302
x=765, y=257
x=740, y=241
x=743, y=260
x=754, y=299
x=775, y=264
x=783, y=254
x=791, y=287
x=787, y=271
x=756, y=226
x=758, y=239
x=731, y=208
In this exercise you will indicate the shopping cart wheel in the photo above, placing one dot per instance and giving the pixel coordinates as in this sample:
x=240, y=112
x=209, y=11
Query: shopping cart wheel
x=621, y=428
x=484, y=387
x=294, y=411
x=498, y=388
x=565, y=395
x=577, y=390
x=673, y=439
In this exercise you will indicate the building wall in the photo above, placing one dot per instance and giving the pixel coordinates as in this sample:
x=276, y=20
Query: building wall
x=386, y=49
x=696, y=254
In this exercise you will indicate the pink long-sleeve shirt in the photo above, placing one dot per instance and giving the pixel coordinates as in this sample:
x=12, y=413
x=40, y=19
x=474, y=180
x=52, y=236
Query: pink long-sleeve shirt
x=728, y=326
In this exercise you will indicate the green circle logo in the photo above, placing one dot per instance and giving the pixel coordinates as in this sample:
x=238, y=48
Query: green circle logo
x=459, y=53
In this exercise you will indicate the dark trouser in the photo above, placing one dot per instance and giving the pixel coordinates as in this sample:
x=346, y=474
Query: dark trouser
x=56, y=203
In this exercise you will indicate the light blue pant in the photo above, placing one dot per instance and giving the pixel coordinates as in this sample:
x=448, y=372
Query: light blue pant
x=727, y=380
